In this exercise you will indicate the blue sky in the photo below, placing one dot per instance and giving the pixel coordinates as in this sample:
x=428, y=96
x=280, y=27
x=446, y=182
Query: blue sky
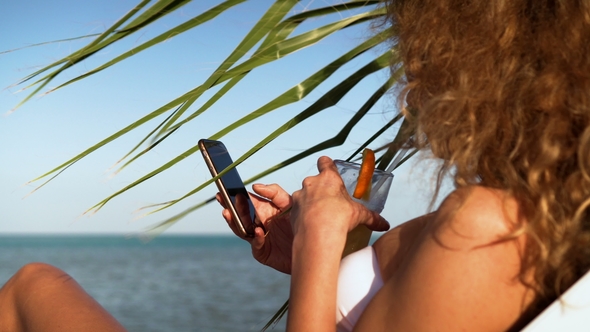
x=48, y=130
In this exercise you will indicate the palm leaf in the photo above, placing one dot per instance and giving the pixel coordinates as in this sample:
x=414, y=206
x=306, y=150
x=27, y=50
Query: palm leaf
x=189, y=97
x=337, y=140
x=329, y=99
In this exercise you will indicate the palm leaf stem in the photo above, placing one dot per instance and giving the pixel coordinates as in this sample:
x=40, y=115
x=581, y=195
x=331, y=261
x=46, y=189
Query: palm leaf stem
x=402, y=137
x=374, y=136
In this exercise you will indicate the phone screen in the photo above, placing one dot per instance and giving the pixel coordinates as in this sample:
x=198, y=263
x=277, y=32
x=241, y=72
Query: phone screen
x=233, y=184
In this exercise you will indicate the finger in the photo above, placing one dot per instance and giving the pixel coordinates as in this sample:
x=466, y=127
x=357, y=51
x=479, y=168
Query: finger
x=328, y=169
x=230, y=222
x=228, y=218
x=243, y=208
x=220, y=200
x=325, y=163
x=277, y=195
x=258, y=241
x=226, y=214
x=375, y=221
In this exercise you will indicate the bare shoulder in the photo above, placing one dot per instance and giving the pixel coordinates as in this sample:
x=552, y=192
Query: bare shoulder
x=392, y=247
x=467, y=218
x=460, y=271
x=474, y=216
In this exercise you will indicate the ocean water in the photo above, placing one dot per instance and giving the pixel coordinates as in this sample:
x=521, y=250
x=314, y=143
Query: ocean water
x=173, y=283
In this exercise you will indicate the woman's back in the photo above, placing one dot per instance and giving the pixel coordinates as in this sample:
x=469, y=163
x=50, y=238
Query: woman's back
x=453, y=269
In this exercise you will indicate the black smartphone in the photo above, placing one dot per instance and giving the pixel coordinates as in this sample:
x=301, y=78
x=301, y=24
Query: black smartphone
x=230, y=186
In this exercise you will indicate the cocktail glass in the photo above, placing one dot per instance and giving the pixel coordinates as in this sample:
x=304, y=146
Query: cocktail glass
x=360, y=236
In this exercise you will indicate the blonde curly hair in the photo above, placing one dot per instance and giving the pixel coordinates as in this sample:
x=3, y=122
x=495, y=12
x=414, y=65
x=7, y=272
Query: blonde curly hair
x=501, y=90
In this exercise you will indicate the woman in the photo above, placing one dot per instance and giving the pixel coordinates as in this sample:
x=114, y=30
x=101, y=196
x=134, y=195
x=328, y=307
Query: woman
x=500, y=90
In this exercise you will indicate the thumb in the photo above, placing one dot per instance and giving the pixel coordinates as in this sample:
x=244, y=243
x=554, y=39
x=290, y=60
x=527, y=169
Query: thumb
x=376, y=222
x=277, y=195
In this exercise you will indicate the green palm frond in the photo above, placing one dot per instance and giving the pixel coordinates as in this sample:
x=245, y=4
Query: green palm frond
x=274, y=34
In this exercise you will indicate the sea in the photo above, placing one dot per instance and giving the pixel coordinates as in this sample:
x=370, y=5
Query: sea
x=171, y=283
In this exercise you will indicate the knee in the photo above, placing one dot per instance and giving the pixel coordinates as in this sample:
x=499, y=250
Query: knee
x=30, y=279
x=33, y=275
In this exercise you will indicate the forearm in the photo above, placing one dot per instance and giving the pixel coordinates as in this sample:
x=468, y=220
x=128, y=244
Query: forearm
x=321, y=217
x=316, y=261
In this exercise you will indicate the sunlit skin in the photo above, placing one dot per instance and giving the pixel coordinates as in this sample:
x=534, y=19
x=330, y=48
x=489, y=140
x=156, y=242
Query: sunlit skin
x=40, y=297
x=443, y=271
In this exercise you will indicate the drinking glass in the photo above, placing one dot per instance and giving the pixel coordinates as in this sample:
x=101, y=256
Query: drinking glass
x=360, y=236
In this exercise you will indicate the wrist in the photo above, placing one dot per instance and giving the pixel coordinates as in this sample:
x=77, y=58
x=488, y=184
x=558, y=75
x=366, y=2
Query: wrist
x=319, y=237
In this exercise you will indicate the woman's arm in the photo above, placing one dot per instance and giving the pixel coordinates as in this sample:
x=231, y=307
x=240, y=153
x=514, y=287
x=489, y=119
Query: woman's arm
x=321, y=216
x=316, y=261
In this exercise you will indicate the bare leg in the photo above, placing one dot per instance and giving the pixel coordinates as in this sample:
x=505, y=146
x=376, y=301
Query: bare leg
x=40, y=297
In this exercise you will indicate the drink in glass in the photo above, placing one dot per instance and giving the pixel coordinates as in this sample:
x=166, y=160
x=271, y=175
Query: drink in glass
x=359, y=237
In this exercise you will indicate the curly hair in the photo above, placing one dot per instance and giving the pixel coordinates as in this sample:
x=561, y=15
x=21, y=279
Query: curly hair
x=501, y=90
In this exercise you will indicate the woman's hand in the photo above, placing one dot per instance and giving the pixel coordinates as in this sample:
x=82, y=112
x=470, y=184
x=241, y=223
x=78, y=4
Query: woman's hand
x=273, y=248
x=323, y=204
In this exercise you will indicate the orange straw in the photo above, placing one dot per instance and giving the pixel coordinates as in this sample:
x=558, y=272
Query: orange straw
x=363, y=184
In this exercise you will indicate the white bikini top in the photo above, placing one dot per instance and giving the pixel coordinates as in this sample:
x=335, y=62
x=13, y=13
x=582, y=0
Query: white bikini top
x=359, y=280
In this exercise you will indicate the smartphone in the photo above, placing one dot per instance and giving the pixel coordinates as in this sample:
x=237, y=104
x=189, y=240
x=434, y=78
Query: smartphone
x=230, y=186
